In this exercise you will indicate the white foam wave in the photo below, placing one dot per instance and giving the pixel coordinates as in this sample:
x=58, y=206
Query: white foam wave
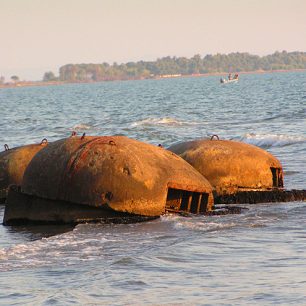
x=73, y=246
x=202, y=224
x=162, y=121
x=271, y=140
x=81, y=127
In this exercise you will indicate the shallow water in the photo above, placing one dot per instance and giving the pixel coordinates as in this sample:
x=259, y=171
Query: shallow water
x=257, y=257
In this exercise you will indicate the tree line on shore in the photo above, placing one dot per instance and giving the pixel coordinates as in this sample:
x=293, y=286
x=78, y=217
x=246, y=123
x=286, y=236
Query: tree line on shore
x=170, y=66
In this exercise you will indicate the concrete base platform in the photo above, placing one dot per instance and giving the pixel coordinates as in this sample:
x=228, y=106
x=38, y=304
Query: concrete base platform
x=3, y=195
x=26, y=209
x=254, y=197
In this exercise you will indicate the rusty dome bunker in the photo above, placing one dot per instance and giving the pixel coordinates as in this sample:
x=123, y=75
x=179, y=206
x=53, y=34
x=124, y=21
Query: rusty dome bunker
x=232, y=166
x=13, y=163
x=80, y=179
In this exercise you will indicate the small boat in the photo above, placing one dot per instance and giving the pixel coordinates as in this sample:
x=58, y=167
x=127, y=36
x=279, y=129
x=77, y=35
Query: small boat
x=230, y=79
x=223, y=81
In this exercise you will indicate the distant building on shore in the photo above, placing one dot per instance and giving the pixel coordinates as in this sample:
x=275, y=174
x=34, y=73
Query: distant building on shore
x=170, y=76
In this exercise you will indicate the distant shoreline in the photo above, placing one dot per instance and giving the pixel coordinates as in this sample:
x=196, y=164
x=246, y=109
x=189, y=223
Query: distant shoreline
x=161, y=77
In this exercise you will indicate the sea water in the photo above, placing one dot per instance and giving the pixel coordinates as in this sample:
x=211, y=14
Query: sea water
x=256, y=257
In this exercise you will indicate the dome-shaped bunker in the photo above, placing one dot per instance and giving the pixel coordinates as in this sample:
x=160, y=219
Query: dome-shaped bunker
x=86, y=178
x=232, y=166
x=13, y=163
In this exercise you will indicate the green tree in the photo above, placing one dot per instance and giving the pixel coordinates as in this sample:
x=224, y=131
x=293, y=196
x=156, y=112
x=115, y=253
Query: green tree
x=222, y=63
x=49, y=76
x=15, y=78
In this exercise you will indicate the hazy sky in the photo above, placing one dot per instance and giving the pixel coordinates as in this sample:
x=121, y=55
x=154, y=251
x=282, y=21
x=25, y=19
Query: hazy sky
x=41, y=35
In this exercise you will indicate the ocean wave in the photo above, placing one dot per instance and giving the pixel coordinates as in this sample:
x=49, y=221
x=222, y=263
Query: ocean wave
x=81, y=127
x=202, y=224
x=162, y=121
x=74, y=246
x=291, y=172
x=271, y=140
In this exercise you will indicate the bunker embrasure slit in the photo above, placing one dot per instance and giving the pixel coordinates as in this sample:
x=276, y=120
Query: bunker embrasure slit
x=179, y=200
x=277, y=177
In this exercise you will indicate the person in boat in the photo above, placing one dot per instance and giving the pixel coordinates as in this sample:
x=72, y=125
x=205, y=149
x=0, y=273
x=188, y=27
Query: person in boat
x=229, y=76
x=236, y=76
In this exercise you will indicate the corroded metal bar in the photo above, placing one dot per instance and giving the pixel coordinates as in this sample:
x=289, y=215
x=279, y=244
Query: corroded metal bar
x=189, y=202
x=199, y=203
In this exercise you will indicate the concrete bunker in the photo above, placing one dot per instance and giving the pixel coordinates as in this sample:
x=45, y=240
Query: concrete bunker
x=232, y=166
x=118, y=179
x=13, y=163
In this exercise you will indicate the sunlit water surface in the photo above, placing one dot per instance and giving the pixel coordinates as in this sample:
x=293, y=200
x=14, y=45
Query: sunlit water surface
x=257, y=257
